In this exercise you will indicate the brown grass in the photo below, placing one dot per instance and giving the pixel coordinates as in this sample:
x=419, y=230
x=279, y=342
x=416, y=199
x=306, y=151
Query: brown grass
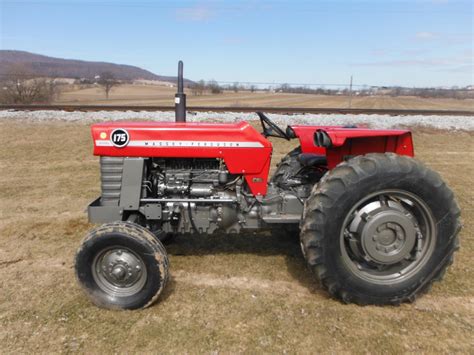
x=227, y=293
x=159, y=95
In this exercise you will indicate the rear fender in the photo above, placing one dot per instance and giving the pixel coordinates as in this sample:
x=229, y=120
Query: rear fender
x=345, y=143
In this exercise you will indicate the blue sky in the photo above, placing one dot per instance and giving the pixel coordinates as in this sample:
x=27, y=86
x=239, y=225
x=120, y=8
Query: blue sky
x=409, y=43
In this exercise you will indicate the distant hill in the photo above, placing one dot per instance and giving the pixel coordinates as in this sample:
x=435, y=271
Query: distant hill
x=42, y=65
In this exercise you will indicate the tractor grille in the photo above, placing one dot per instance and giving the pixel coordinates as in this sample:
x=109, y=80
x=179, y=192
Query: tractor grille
x=111, y=180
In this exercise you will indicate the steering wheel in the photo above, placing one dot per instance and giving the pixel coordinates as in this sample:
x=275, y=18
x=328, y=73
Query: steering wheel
x=272, y=130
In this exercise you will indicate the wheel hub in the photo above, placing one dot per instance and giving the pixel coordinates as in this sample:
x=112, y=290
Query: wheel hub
x=119, y=268
x=387, y=236
x=119, y=273
x=386, y=232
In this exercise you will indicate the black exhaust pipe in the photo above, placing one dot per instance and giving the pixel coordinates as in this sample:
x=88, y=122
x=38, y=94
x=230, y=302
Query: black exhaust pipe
x=180, y=97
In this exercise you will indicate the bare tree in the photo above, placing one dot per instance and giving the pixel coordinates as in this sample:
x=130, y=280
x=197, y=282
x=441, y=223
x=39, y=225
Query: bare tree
x=253, y=88
x=214, y=87
x=235, y=86
x=107, y=80
x=21, y=86
x=198, y=88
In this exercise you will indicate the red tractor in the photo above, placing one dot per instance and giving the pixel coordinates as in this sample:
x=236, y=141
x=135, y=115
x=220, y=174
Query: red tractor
x=376, y=226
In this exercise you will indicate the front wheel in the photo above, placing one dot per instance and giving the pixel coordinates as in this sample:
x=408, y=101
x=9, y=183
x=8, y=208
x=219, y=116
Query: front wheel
x=122, y=266
x=379, y=229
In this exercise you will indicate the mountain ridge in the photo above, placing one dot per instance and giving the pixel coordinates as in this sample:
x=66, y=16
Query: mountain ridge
x=42, y=65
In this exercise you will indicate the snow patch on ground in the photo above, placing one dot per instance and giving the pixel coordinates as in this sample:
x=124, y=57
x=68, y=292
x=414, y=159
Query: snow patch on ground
x=378, y=121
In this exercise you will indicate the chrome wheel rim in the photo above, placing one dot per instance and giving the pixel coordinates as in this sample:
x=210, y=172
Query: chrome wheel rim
x=388, y=236
x=119, y=272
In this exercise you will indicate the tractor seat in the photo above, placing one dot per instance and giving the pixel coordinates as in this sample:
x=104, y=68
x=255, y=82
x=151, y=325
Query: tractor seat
x=310, y=159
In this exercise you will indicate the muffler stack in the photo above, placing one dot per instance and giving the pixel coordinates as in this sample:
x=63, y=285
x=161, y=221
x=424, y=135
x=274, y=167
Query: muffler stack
x=180, y=97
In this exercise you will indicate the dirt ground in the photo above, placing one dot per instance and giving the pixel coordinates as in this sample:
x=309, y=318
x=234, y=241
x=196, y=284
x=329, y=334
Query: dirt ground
x=227, y=293
x=160, y=95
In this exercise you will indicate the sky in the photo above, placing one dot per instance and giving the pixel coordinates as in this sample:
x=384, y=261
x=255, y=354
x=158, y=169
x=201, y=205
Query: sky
x=422, y=43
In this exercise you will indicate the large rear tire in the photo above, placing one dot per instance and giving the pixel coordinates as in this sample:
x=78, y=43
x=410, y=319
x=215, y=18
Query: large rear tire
x=287, y=167
x=380, y=229
x=122, y=265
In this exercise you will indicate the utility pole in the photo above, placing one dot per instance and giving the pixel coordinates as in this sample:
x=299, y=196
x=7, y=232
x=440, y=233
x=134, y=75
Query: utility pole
x=350, y=93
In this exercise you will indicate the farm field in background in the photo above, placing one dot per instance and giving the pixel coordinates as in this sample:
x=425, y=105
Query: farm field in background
x=162, y=95
x=248, y=293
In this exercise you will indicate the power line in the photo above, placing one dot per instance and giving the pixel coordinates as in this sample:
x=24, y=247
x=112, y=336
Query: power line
x=272, y=84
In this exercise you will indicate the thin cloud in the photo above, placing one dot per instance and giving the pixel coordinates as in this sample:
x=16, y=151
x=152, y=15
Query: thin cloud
x=456, y=61
x=415, y=51
x=469, y=68
x=198, y=13
x=404, y=63
x=426, y=36
x=379, y=52
x=445, y=38
x=232, y=40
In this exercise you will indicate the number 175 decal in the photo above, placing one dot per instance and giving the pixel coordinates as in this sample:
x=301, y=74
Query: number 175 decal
x=119, y=137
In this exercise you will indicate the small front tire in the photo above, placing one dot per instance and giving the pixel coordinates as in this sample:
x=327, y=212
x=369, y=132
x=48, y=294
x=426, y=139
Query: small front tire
x=122, y=265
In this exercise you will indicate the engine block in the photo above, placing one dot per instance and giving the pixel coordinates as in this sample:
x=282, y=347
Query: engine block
x=176, y=177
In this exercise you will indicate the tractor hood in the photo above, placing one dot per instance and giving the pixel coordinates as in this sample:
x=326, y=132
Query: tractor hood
x=244, y=150
x=158, y=138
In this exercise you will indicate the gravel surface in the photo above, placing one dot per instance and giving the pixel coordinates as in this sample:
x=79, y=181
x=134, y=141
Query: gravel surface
x=379, y=121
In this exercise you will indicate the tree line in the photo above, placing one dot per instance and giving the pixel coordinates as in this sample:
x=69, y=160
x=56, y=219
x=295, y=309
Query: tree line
x=21, y=86
x=213, y=87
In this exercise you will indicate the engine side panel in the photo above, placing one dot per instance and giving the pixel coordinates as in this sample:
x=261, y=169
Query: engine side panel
x=244, y=150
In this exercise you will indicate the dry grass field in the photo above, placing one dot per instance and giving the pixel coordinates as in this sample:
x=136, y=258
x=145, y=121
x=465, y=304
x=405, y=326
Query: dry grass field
x=160, y=95
x=249, y=293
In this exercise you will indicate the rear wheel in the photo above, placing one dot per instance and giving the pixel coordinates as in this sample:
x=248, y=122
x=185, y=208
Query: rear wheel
x=122, y=266
x=284, y=178
x=379, y=229
x=286, y=168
